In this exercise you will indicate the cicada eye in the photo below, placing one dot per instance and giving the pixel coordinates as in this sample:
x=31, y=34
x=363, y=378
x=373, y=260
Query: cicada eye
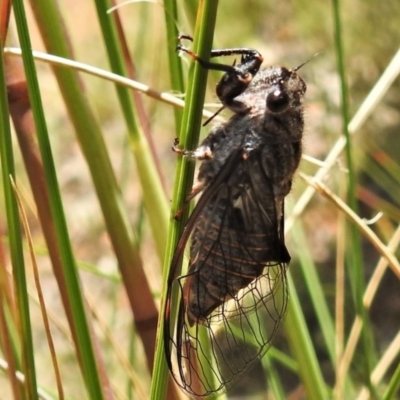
x=277, y=101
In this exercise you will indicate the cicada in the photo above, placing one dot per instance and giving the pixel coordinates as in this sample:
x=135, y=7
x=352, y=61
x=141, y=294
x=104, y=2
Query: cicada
x=234, y=294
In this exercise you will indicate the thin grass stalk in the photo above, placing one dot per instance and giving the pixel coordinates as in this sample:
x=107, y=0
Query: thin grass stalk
x=339, y=309
x=282, y=358
x=154, y=198
x=354, y=255
x=81, y=328
x=5, y=281
x=54, y=60
x=370, y=292
x=133, y=377
x=108, y=192
x=141, y=46
x=388, y=358
x=189, y=136
x=382, y=249
x=39, y=291
x=274, y=383
x=15, y=235
x=153, y=193
x=41, y=394
x=7, y=350
x=385, y=172
x=302, y=348
x=377, y=277
x=318, y=300
x=315, y=291
x=393, y=388
x=24, y=126
x=164, y=97
x=7, y=325
x=175, y=65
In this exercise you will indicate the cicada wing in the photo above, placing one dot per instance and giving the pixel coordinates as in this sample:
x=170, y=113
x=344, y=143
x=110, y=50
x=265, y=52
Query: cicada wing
x=173, y=341
x=234, y=295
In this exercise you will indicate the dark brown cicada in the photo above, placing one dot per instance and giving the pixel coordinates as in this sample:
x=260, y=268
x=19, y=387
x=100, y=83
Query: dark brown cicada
x=234, y=294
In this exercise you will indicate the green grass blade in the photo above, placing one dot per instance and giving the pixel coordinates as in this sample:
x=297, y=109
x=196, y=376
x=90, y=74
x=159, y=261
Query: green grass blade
x=273, y=380
x=354, y=255
x=315, y=291
x=303, y=349
x=189, y=136
x=153, y=194
x=282, y=358
x=175, y=65
x=81, y=329
x=317, y=296
x=392, y=389
x=15, y=237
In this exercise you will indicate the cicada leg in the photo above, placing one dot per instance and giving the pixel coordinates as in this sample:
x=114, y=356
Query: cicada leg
x=237, y=77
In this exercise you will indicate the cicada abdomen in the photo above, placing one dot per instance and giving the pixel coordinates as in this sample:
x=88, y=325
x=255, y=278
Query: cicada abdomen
x=233, y=296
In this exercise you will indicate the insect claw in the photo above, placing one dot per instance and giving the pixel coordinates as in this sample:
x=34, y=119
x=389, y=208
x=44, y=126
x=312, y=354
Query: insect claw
x=201, y=153
x=196, y=189
x=178, y=214
x=176, y=149
x=182, y=36
x=182, y=49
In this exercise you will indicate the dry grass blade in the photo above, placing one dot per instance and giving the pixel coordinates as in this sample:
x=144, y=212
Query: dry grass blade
x=22, y=116
x=355, y=331
x=383, y=250
x=383, y=365
x=101, y=73
x=21, y=378
x=119, y=352
x=40, y=293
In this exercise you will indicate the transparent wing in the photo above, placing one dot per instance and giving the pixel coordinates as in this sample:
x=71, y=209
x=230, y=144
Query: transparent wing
x=234, y=295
